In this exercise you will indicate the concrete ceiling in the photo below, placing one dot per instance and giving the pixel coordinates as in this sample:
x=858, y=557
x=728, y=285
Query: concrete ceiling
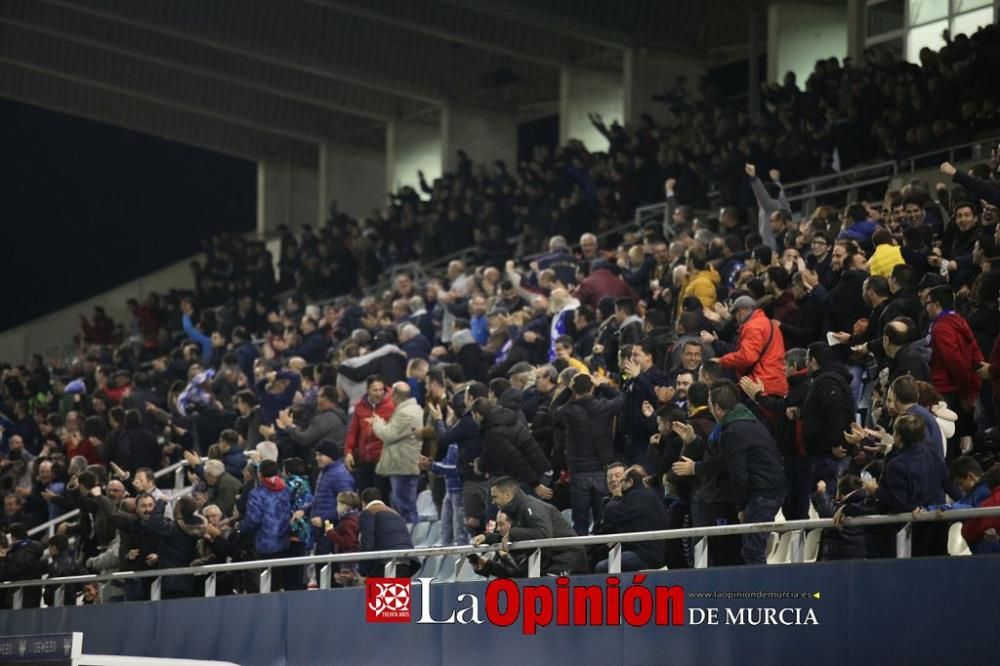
x=263, y=78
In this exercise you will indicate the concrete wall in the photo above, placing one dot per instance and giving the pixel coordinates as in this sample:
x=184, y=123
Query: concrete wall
x=800, y=33
x=484, y=135
x=647, y=73
x=286, y=194
x=353, y=177
x=57, y=329
x=411, y=147
x=583, y=91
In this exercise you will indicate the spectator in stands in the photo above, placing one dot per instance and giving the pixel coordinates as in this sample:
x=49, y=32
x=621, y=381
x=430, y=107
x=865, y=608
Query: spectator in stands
x=642, y=380
x=144, y=481
x=602, y=283
x=21, y=559
x=334, y=478
x=982, y=533
x=587, y=419
x=268, y=514
x=745, y=459
x=827, y=412
x=508, y=449
x=399, y=460
x=915, y=477
x=846, y=542
x=223, y=486
x=453, y=532
x=955, y=356
x=383, y=529
x=532, y=518
x=760, y=349
x=344, y=535
x=363, y=447
x=635, y=509
x=908, y=354
x=328, y=423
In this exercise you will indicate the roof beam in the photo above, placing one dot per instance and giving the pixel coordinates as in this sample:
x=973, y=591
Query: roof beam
x=161, y=84
x=529, y=15
x=285, y=37
x=89, y=29
x=77, y=99
x=455, y=24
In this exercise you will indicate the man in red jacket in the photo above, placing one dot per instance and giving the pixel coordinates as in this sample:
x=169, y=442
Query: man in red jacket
x=362, y=448
x=955, y=358
x=760, y=349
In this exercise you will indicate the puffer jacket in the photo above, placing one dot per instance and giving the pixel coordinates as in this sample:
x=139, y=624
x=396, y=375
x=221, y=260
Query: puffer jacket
x=589, y=437
x=401, y=442
x=761, y=360
x=955, y=355
x=828, y=410
x=361, y=442
x=269, y=508
x=333, y=479
x=509, y=449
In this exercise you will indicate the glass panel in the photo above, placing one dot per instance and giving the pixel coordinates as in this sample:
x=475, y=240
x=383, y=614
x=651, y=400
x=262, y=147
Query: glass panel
x=893, y=45
x=885, y=17
x=922, y=11
x=965, y=5
x=970, y=22
x=926, y=35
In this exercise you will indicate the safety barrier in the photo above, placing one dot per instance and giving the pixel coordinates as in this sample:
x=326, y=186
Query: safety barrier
x=615, y=541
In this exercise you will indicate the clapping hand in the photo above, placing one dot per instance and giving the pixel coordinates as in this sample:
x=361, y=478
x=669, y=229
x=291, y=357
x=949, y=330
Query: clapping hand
x=664, y=393
x=684, y=431
x=750, y=387
x=647, y=409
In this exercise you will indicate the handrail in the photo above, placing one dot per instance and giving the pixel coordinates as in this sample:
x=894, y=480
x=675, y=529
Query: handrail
x=951, y=150
x=614, y=540
x=176, y=468
x=809, y=182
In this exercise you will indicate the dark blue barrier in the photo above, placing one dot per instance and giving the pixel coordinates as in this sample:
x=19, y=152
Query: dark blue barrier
x=931, y=611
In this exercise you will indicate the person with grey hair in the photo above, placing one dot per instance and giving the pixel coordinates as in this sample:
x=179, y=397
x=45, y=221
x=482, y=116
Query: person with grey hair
x=401, y=445
x=421, y=318
x=759, y=352
x=413, y=342
x=559, y=260
x=222, y=486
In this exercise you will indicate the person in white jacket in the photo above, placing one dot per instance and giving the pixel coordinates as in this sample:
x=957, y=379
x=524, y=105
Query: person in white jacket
x=400, y=457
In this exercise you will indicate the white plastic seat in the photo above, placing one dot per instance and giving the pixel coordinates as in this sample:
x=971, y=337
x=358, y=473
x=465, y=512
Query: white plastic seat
x=432, y=537
x=431, y=567
x=425, y=506
x=781, y=553
x=772, y=544
x=811, y=553
x=957, y=545
x=419, y=533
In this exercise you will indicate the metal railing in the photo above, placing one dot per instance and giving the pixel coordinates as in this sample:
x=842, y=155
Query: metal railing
x=177, y=469
x=978, y=149
x=615, y=541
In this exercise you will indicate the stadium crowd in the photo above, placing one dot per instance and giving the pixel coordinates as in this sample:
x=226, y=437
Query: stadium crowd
x=846, y=113
x=700, y=371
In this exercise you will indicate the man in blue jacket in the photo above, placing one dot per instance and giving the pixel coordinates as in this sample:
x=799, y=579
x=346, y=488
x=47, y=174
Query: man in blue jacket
x=333, y=478
x=269, y=508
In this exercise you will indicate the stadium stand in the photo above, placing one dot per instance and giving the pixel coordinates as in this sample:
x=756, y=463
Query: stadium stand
x=693, y=371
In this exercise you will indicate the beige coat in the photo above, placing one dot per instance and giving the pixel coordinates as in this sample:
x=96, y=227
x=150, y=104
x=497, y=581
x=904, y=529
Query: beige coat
x=401, y=440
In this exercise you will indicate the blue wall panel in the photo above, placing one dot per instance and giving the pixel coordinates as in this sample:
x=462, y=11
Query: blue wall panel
x=942, y=611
